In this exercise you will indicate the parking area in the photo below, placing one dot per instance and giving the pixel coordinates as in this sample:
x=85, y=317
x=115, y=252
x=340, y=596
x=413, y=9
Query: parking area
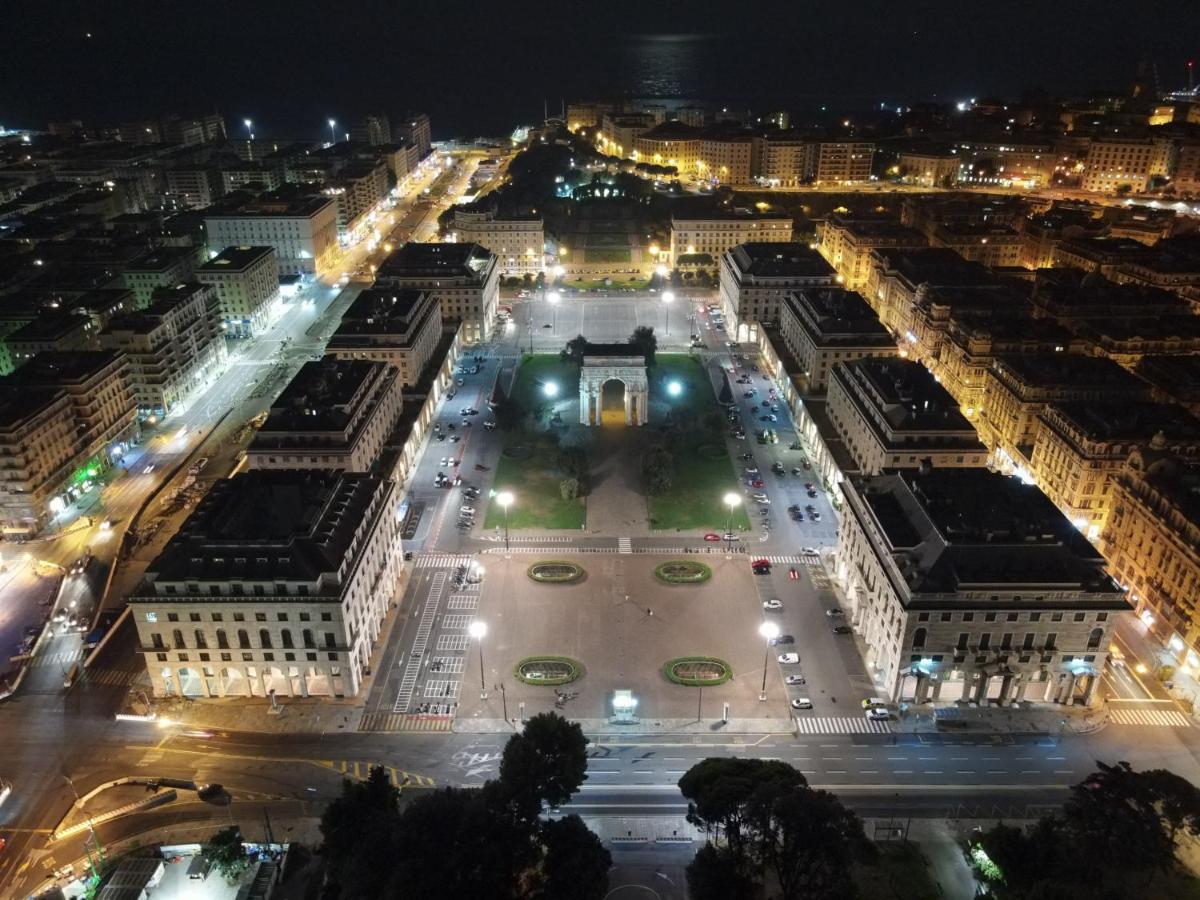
x=607, y=319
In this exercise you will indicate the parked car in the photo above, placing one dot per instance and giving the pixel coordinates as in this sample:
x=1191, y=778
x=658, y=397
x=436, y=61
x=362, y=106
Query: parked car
x=872, y=702
x=801, y=703
x=833, y=613
x=842, y=629
x=876, y=715
x=794, y=679
x=788, y=659
x=773, y=605
x=712, y=536
x=782, y=639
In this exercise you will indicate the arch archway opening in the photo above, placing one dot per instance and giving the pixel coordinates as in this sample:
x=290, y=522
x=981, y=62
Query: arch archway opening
x=612, y=403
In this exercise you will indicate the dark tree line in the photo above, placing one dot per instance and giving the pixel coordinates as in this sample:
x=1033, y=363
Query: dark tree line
x=487, y=842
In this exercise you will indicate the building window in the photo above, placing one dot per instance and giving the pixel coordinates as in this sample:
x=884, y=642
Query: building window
x=1051, y=640
x=172, y=617
x=260, y=617
x=918, y=641
x=243, y=638
x=985, y=640
x=201, y=640
x=307, y=636
x=162, y=657
x=286, y=636
x=326, y=617
x=177, y=638
x=226, y=657
x=1094, y=638
x=264, y=638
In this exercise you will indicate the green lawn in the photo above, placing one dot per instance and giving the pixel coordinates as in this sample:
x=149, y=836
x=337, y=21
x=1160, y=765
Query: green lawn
x=534, y=482
x=637, y=282
x=704, y=473
x=534, y=478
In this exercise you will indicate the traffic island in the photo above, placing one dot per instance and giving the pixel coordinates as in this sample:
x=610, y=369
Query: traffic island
x=697, y=671
x=682, y=571
x=548, y=671
x=556, y=572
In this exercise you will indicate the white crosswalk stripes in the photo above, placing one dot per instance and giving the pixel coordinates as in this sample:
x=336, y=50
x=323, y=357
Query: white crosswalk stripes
x=440, y=561
x=840, y=725
x=1165, y=718
x=113, y=677
x=62, y=658
x=803, y=559
x=624, y=545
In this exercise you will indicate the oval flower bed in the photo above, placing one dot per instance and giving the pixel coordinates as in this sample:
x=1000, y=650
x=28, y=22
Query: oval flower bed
x=556, y=572
x=548, y=670
x=683, y=571
x=697, y=671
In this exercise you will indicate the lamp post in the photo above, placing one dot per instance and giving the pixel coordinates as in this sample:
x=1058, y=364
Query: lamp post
x=731, y=501
x=249, y=128
x=91, y=830
x=332, y=133
x=554, y=297
x=477, y=630
x=668, y=297
x=505, y=499
x=769, y=631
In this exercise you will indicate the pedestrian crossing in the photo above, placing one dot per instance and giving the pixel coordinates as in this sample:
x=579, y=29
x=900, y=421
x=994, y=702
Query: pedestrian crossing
x=360, y=770
x=840, y=725
x=1165, y=718
x=440, y=561
x=624, y=545
x=402, y=722
x=112, y=677
x=804, y=559
x=61, y=658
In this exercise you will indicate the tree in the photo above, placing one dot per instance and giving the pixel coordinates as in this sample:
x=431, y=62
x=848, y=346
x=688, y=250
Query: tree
x=576, y=863
x=808, y=840
x=718, y=873
x=644, y=341
x=658, y=471
x=544, y=764
x=508, y=412
x=718, y=788
x=569, y=488
x=224, y=851
x=575, y=350
x=726, y=396
x=359, y=828
x=573, y=463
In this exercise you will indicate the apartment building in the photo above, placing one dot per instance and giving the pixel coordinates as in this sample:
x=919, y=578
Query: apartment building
x=335, y=414
x=1018, y=389
x=399, y=327
x=303, y=230
x=975, y=338
x=1099, y=254
x=846, y=242
x=824, y=326
x=1128, y=340
x=756, y=277
x=668, y=144
x=966, y=584
x=277, y=584
x=838, y=162
x=191, y=186
x=173, y=346
x=1081, y=446
x=357, y=189
x=1152, y=541
x=250, y=175
x=246, y=280
x=1125, y=163
x=38, y=453
x=518, y=243
x=928, y=168
x=995, y=246
x=50, y=333
x=892, y=414
x=778, y=158
x=464, y=278
x=897, y=275
x=618, y=132
x=415, y=129
x=1069, y=296
x=164, y=267
x=1172, y=379
x=715, y=232
x=1042, y=233
x=725, y=157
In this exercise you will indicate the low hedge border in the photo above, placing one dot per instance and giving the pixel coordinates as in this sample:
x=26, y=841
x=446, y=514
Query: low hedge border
x=578, y=573
x=573, y=675
x=702, y=572
x=670, y=665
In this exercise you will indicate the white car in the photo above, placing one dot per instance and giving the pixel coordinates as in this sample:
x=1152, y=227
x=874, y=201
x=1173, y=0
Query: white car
x=833, y=613
x=788, y=659
x=761, y=498
x=802, y=703
x=874, y=703
x=773, y=604
x=794, y=679
x=875, y=714
x=467, y=510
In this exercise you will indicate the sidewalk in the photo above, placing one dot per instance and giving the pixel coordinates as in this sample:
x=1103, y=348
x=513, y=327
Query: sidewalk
x=603, y=731
x=1029, y=718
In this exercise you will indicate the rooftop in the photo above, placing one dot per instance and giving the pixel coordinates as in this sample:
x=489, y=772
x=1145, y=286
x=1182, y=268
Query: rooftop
x=323, y=396
x=160, y=260
x=235, y=259
x=839, y=314
x=758, y=259
x=935, y=266
x=64, y=367
x=1069, y=370
x=383, y=311
x=19, y=402
x=1126, y=421
x=907, y=395
x=423, y=261
x=1178, y=376
x=1071, y=291
x=953, y=530
x=1106, y=248
x=268, y=524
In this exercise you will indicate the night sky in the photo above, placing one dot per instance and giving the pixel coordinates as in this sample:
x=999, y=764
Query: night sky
x=479, y=68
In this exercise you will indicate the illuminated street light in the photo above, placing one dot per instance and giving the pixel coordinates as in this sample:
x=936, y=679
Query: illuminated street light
x=505, y=499
x=332, y=133
x=550, y=389
x=478, y=630
x=732, y=501
x=554, y=297
x=249, y=128
x=769, y=631
x=674, y=388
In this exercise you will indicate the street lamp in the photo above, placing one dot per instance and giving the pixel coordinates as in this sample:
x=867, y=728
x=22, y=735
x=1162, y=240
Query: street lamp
x=550, y=389
x=674, y=388
x=332, y=133
x=769, y=631
x=505, y=499
x=559, y=271
x=554, y=297
x=731, y=500
x=478, y=629
x=668, y=297
x=249, y=128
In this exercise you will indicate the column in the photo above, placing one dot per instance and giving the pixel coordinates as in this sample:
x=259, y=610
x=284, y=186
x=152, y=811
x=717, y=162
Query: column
x=303, y=680
x=1089, y=694
x=204, y=688
x=981, y=689
x=628, y=407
